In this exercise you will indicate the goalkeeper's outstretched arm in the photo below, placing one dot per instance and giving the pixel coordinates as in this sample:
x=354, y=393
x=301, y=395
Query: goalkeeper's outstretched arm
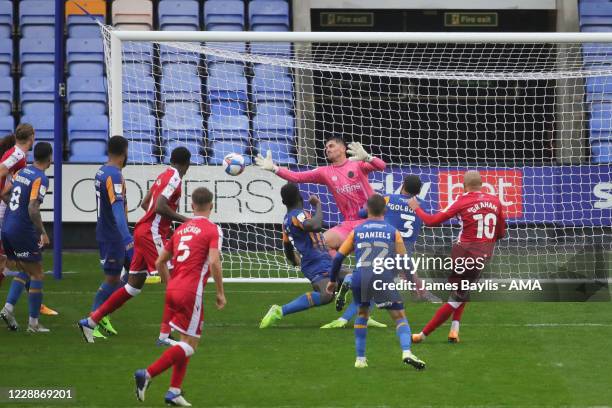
x=308, y=176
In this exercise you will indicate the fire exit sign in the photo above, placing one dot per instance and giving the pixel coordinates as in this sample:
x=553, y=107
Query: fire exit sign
x=470, y=19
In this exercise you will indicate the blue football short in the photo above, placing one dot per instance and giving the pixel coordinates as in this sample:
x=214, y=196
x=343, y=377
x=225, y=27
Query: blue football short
x=112, y=256
x=22, y=246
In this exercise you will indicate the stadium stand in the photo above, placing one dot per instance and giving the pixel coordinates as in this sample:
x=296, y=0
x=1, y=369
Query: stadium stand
x=132, y=14
x=596, y=16
x=37, y=18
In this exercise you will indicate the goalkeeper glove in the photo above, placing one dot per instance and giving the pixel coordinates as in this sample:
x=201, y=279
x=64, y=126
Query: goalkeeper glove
x=358, y=153
x=266, y=163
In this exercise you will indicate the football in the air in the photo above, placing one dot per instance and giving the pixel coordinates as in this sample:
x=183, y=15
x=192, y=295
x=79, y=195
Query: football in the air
x=233, y=164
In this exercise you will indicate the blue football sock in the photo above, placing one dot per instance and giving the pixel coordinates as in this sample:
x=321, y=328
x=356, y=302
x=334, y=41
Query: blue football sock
x=402, y=329
x=361, y=331
x=16, y=288
x=306, y=301
x=350, y=311
x=104, y=292
x=35, y=298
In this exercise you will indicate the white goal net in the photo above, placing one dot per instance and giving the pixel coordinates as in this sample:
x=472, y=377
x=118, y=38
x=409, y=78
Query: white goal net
x=534, y=118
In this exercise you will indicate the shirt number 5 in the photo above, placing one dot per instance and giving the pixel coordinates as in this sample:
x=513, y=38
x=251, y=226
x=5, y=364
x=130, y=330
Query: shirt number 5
x=182, y=246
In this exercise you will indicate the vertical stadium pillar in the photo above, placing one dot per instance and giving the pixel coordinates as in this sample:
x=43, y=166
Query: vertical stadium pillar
x=58, y=137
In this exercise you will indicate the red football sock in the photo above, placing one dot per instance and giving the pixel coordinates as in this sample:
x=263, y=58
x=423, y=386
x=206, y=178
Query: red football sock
x=458, y=312
x=165, y=326
x=442, y=314
x=178, y=373
x=114, y=302
x=174, y=355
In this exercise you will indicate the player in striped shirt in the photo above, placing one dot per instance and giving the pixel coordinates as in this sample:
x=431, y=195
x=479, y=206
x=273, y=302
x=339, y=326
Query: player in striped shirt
x=150, y=235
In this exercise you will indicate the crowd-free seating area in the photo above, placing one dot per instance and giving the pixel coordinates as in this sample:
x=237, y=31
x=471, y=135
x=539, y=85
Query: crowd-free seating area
x=171, y=97
x=596, y=16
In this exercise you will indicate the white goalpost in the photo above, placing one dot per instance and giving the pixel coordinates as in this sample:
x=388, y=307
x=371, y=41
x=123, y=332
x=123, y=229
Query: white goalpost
x=531, y=111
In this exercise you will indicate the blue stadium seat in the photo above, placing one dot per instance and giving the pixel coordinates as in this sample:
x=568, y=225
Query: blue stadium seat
x=44, y=125
x=181, y=15
x=278, y=91
x=238, y=47
x=6, y=19
x=597, y=54
x=194, y=147
x=225, y=69
x=139, y=89
x=228, y=127
x=37, y=56
x=7, y=124
x=221, y=148
x=176, y=62
x=596, y=29
x=181, y=123
x=138, y=52
x=85, y=57
x=595, y=14
x=282, y=50
x=272, y=109
x=268, y=15
x=138, y=123
x=36, y=95
x=273, y=127
x=6, y=96
x=265, y=71
x=140, y=152
x=37, y=18
x=87, y=137
x=185, y=89
x=601, y=152
x=224, y=16
x=282, y=152
x=601, y=122
x=83, y=26
x=229, y=91
x=6, y=56
x=599, y=88
x=86, y=95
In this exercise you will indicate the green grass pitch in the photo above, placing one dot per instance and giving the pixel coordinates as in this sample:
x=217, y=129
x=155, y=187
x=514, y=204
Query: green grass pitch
x=511, y=354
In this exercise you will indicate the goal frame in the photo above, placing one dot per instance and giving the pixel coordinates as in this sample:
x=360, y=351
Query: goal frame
x=116, y=64
x=117, y=37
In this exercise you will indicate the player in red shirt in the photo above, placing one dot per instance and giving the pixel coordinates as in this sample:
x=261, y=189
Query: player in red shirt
x=195, y=252
x=482, y=224
x=150, y=235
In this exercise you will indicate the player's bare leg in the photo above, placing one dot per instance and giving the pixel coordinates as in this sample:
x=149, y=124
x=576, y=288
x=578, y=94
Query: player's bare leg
x=177, y=357
x=133, y=288
x=35, y=295
x=402, y=329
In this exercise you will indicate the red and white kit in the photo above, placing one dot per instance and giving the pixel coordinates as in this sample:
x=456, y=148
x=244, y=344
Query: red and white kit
x=190, y=245
x=483, y=223
x=152, y=230
x=14, y=159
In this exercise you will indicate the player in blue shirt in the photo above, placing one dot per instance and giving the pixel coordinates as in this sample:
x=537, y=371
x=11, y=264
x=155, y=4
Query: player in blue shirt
x=302, y=232
x=112, y=233
x=404, y=219
x=24, y=236
x=373, y=241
